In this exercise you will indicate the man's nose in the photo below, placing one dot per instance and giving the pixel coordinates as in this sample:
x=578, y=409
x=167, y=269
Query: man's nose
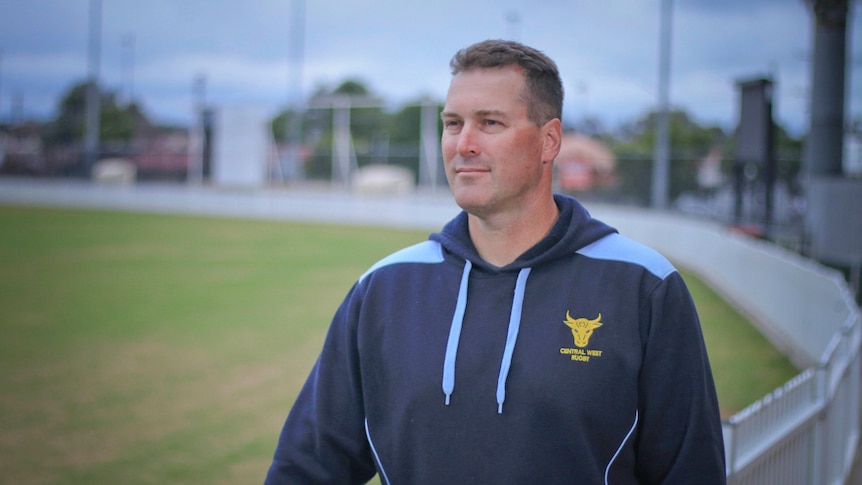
x=468, y=145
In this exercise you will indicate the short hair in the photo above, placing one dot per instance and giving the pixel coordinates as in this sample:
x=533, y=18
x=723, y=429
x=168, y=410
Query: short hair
x=544, y=88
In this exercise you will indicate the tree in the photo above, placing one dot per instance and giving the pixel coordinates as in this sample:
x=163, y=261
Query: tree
x=687, y=137
x=117, y=123
x=368, y=124
x=280, y=124
x=689, y=143
x=405, y=125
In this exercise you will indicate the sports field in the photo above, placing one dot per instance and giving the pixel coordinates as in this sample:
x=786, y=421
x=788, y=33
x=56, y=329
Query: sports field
x=151, y=349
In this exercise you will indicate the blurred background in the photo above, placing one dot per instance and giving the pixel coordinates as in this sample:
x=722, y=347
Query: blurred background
x=747, y=112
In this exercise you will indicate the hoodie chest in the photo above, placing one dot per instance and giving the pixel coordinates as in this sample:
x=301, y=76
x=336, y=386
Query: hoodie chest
x=404, y=354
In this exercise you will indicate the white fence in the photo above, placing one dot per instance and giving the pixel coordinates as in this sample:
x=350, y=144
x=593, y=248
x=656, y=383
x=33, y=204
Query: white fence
x=806, y=432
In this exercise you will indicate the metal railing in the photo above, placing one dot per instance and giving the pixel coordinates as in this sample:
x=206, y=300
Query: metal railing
x=805, y=432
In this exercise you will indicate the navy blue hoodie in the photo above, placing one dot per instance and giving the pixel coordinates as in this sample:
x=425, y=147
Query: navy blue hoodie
x=580, y=362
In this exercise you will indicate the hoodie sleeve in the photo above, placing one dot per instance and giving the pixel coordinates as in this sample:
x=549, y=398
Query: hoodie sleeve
x=323, y=440
x=680, y=436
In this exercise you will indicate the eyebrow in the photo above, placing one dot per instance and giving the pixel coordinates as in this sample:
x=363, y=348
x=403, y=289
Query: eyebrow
x=479, y=112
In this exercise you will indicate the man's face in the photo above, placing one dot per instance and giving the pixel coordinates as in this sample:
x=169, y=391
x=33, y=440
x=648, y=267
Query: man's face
x=492, y=152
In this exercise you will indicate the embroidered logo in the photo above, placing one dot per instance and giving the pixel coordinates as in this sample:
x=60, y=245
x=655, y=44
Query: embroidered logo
x=582, y=330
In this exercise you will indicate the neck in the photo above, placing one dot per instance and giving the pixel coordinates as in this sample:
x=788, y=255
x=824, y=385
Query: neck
x=500, y=239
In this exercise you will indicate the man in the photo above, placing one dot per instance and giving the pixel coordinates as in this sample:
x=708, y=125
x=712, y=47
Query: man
x=525, y=343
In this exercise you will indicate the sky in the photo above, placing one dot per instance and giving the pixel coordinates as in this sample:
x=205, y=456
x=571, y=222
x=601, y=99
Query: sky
x=246, y=52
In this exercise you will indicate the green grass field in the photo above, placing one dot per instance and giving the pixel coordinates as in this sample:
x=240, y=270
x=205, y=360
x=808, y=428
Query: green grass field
x=151, y=349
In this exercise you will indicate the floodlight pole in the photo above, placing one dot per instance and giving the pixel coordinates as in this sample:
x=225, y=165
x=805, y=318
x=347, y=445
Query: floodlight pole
x=128, y=43
x=343, y=155
x=197, y=131
x=825, y=142
x=91, y=140
x=293, y=125
x=1, y=85
x=429, y=141
x=661, y=162
x=513, y=24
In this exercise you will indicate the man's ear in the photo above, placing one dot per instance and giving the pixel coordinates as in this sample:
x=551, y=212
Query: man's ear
x=552, y=133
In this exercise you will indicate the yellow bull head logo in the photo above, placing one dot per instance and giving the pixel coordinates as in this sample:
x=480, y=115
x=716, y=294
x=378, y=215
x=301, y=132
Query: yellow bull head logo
x=582, y=328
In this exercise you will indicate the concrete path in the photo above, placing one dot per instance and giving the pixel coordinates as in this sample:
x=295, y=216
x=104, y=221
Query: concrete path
x=419, y=210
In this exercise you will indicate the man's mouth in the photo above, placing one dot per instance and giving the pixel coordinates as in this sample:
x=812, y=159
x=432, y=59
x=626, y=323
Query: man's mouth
x=470, y=169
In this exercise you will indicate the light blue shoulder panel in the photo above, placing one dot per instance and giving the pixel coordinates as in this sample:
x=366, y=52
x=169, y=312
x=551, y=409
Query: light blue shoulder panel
x=615, y=247
x=424, y=252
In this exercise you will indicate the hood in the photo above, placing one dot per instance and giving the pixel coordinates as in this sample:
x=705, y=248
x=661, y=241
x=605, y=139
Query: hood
x=573, y=230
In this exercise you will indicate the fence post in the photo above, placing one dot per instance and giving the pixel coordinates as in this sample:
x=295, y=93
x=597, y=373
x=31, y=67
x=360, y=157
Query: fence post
x=729, y=431
x=817, y=447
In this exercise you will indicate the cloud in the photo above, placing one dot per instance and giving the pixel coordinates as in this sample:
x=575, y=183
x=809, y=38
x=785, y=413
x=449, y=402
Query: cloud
x=607, y=51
